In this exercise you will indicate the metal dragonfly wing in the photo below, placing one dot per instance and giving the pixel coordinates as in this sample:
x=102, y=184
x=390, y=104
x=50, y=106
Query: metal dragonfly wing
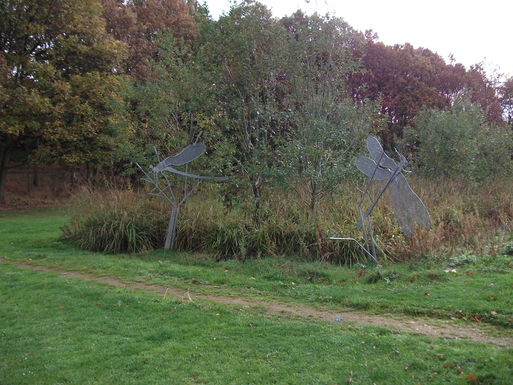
x=187, y=155
x=407, y=206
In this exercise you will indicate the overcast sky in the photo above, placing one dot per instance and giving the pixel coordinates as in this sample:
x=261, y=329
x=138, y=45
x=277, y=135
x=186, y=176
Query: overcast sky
x=473, y=31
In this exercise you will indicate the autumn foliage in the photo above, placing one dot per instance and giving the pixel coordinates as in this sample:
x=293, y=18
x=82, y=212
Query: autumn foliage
x=406, y=79
x=138, y=23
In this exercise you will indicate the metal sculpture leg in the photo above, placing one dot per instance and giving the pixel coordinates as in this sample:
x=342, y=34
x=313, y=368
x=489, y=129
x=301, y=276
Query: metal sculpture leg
x=171, y=229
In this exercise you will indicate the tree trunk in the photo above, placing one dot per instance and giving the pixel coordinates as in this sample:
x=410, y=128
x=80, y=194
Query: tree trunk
x=171, y=229
x=313, y=196
x=5, y=152
x=35, y=176
x=256, y=186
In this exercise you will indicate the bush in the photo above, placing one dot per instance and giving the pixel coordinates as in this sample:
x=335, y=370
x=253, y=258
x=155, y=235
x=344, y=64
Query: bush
x=458, y=143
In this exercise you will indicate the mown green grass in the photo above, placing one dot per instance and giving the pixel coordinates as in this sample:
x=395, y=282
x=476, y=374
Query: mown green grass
x=480, y=290
x=58, y=330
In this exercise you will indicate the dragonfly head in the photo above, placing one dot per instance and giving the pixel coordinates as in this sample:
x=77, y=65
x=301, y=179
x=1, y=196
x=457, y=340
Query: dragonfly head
x=402, y=160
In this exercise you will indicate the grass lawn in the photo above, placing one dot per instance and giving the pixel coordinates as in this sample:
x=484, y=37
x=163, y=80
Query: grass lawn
x=58, y=330
x=481, y=289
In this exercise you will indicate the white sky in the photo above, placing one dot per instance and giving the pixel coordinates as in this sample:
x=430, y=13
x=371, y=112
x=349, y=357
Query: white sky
x=473, y=31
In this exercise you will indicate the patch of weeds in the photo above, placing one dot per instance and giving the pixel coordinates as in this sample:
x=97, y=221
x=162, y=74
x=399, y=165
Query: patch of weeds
x=460, y=260
x=507, y=247
x=496, y=264
x=434, y=276
x=314, y=275
x=274, y=276
x=413, y=277
x=380, y=275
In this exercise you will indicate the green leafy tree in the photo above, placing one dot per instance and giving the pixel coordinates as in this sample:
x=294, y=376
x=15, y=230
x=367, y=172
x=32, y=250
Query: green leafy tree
x=58, y=91
x=245, y=48
x=177, y=105
x=321, y=153
x=328, y=129
x=459, y=143
x=506, y=99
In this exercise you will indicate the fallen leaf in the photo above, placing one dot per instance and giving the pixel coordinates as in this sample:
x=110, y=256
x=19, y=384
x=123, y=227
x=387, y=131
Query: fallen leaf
x=471, y=379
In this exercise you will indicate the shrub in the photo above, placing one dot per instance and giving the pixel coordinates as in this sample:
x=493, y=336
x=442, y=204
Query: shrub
x=458, y=143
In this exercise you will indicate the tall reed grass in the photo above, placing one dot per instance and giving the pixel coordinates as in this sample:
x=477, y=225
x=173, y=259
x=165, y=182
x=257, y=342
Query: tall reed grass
x=466, y=218
x=113, y=221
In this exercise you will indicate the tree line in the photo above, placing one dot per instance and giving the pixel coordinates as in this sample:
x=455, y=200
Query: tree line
x=276, y=100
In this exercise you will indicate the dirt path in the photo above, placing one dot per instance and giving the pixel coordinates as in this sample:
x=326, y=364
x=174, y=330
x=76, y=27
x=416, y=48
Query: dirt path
x=418, y=326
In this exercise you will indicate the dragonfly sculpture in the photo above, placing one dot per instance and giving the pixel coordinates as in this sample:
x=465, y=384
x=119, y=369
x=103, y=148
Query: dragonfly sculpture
x=406, y=205
x=163, y=186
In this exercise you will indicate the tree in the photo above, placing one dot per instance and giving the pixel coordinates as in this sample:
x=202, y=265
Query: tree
x=459, y=143
x=407, y=80
x=177, y=105
x=483, y=91
x=246, y=52
x=327, y=128
x=506, y=100
x=139, y=23
x=58, y=91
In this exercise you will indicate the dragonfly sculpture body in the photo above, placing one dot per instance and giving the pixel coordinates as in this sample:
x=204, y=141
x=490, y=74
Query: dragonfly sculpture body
x=164, y=188
x=407, y=206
